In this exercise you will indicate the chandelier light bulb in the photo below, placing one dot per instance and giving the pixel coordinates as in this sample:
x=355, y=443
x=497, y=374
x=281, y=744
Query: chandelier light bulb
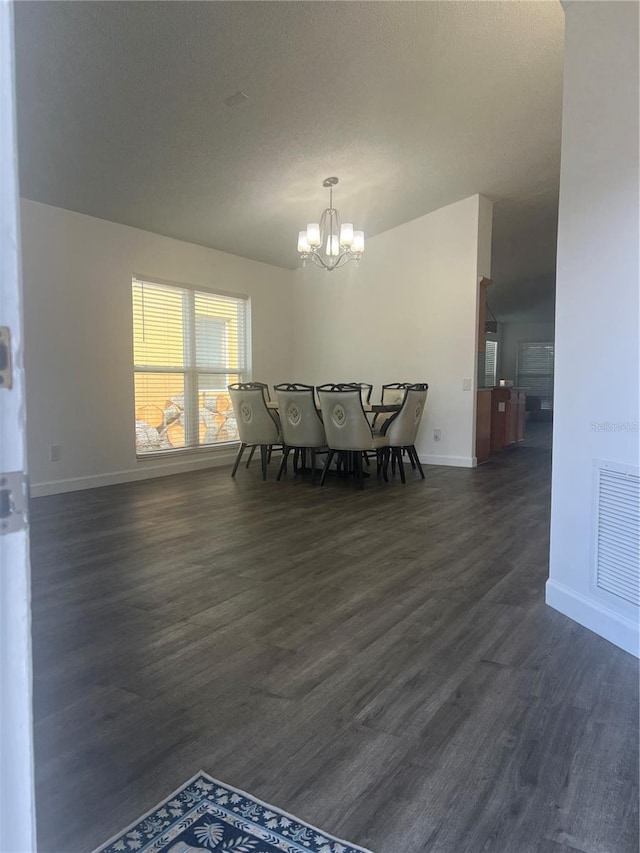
x=303, y=244
x=346, y=234
x=357, y=247
x=328, y=243
x=333, y=246
x=313, y=235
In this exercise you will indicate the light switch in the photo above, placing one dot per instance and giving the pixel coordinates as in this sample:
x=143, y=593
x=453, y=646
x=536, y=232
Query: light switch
x=466, y=385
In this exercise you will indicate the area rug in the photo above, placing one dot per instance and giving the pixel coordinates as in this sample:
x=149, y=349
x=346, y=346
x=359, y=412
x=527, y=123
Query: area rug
x=207, y=815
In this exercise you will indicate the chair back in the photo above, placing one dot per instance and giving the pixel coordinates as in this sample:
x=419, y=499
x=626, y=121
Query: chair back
x=345, y=423
x=299, y=419
x=265, y=389
x=393, y=393
x=256, y=423
x=365, y=389
x=402, y=429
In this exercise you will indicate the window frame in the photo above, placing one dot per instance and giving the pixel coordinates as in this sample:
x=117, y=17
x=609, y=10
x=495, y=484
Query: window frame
x=520, y=384
x=495, y=363
x=189, y=369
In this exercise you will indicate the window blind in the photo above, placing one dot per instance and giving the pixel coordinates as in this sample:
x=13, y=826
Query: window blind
x=188, y=345
x=490, y=364
x=535, y=371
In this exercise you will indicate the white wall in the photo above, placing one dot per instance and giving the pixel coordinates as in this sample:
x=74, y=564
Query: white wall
x=511, y=335
x=79, y=332
x=596, y=378
x=407, y=313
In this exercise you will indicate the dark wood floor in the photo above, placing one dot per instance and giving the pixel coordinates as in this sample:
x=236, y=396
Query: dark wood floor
x=379, y=663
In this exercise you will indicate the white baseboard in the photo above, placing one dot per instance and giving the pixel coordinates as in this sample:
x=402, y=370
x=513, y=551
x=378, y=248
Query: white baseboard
x=146, y=471
x=597, y=617
x=454, y=461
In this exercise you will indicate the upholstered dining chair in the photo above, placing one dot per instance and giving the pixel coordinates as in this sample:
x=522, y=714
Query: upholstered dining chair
x=258, y=426
x=301, y=424
x=267, y=398
x=402, y=428
x=365, y=389
x=347, y=429
x=393, y=394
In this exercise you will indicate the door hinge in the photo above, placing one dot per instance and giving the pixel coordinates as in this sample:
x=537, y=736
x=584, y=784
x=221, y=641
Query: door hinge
x=13, y=502
x=6, y=378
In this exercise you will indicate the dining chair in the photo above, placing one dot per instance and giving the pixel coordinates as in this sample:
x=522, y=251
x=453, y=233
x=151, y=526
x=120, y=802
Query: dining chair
x=401, y=429
x=365, y=392
x=393, y=394
x=301, y=424
x=267, y=398
x=347, y=429
x=258, y=426
x=365, y=389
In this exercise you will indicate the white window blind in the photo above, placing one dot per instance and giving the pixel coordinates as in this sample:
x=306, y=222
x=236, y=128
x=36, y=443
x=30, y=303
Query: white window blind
x=188, y=345
x=490, y=364
x=535, y=371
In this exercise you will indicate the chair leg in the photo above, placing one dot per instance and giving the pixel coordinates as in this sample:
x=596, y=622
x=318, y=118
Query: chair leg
x=365, y=456
x=385, y=464
x=327, y=463
x=283, y=465
x=398, y=453
x=413, y=450
x=253, y=450
x=411, y=459
x=269, y=450
x=238, y=458
x=264, y=459
x=313, y=465
x=357, y=463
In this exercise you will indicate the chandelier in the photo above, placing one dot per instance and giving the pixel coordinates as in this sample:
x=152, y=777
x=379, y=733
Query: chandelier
x=328, y=243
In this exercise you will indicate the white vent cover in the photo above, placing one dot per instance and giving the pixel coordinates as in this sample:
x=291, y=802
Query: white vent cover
x=617, y=552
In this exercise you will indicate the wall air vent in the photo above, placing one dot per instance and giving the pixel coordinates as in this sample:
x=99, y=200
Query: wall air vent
x=617, y=547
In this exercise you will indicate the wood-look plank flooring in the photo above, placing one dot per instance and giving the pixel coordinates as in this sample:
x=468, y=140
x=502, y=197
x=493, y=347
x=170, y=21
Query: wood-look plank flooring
x=379, y=663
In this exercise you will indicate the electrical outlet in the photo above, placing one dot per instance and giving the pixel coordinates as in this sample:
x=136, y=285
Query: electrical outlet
x=54, y=453
x=437, y=434
x=466, y=385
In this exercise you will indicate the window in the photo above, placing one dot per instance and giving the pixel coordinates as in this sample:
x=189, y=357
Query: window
x=188, y=345
x=535, y=371
x=490, y=364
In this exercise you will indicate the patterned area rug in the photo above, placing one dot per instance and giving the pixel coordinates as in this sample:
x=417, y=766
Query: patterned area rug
x=207, y=816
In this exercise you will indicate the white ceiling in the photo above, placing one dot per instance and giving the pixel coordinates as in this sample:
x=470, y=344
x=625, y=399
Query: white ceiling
x=414, y=105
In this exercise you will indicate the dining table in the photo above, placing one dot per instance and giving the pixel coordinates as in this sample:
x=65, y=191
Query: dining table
x=375, y=408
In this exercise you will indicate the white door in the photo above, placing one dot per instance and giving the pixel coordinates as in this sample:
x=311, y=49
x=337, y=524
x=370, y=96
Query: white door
x=17, y=812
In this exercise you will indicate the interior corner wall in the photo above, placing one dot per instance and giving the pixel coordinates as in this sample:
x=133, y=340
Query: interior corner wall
x=408, y=312
x=79, y=339
x=597, y=340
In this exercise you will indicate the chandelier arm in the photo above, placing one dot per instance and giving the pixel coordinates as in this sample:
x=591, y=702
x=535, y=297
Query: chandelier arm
x=344, y=259
x=323, y=226
x=317, y=260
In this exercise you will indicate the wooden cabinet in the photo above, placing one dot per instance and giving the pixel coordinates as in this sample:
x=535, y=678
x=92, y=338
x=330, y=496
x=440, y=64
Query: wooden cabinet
x=507, y=417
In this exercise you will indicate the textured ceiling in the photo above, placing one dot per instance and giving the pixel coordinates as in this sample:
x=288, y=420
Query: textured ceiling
x=414, y=105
